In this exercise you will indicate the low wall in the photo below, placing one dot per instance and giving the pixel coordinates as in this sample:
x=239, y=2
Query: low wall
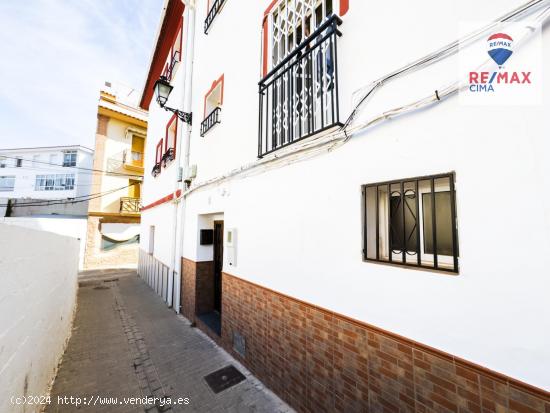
x=38, y=285
x=74, y=227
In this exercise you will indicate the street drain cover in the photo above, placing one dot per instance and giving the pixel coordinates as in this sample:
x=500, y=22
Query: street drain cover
x=224, y=379
x=101, y=287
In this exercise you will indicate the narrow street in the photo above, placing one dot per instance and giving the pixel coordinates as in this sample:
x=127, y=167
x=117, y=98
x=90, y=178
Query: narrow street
x=126, y=344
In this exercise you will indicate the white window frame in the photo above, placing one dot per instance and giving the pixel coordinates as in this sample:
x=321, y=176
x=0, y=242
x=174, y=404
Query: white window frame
x=55, y=182
x=7, y=178
x=70, y=154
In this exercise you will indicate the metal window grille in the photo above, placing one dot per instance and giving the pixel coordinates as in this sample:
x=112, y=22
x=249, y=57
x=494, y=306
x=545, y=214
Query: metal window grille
x=210, y=121
x=299, y=97
x=412, y=222
x=212, y=13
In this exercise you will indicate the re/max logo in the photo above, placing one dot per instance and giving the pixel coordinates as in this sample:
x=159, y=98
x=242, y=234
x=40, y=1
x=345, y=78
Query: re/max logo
x=484, y=81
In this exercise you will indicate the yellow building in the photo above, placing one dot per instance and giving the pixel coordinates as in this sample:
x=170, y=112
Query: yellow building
x=114, y=213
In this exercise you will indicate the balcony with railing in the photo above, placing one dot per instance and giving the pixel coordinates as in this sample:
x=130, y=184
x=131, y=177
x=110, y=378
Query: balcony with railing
x=210, y=121
x=168, y=156
x=212, y=13
x=171, y=65
x=130, y=205
x=299, y=96
x=133, y=161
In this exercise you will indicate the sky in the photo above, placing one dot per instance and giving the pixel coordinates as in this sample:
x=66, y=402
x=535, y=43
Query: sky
x=54, y=57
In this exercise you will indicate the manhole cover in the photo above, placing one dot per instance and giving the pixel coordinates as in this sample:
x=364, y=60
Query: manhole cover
x=224, y=379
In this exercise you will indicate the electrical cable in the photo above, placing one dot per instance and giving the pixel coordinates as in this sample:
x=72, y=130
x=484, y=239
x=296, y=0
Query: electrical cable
x=345, y=133
x=61, y=201
x=72, y=167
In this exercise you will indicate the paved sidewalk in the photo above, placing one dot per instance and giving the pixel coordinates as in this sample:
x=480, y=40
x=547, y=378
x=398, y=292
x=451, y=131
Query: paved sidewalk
x=127, y=343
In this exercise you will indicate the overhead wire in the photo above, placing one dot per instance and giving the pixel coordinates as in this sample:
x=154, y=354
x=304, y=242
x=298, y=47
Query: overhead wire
x=328, y=142
x=71, y=200
x=69, y=167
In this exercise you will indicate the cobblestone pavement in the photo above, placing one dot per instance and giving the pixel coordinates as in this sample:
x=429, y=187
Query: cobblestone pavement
x=127, y=344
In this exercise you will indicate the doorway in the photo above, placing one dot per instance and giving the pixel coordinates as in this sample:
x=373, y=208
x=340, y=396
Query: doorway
x=218, y=265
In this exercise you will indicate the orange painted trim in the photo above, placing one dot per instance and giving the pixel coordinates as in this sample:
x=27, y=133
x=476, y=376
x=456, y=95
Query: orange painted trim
x=161, y=201
x=265, y=46
x=344, y=7
x=265, y=63
x=173, y=119
x=172, y=17
x=414, y=344
x=270, y=7
x=158, y=153
x=221, y=80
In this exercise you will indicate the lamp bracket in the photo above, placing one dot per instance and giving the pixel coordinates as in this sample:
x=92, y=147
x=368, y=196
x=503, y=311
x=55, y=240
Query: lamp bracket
x=183, y=116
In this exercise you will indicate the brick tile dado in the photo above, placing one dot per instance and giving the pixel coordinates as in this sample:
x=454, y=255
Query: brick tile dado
x=320, y=361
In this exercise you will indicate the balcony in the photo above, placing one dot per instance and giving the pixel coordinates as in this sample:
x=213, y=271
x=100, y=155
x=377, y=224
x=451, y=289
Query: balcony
x=130, y=205
x=156, y=170
x=211, y=120
x=169, y=71
x=212, y=13
x=133, y=161
x=299, y=97
x=168, y=156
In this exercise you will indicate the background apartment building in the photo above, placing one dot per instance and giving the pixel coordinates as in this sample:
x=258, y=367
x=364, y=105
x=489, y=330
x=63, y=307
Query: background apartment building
x=47, y=173
x=114, y=217
x=47, y=188
x=351, y=267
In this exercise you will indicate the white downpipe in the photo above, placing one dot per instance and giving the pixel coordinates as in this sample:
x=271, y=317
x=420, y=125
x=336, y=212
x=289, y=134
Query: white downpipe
x=185, y=141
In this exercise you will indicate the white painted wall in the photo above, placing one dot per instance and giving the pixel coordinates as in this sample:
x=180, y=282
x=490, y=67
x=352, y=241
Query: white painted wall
x=38, y=283
x=70, y=227
x=162, y=217
x=299, y=225
x=118, y=141
x=25, y=176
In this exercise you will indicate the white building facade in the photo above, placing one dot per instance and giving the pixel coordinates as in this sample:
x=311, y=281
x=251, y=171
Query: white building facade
x=336, y=218
x=46, y=173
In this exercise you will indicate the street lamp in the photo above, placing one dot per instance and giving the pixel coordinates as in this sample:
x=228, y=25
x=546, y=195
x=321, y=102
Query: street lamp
x=163, y=88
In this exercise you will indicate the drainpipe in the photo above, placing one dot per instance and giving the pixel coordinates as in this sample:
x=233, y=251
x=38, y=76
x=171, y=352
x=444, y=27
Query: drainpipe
x=184, y=143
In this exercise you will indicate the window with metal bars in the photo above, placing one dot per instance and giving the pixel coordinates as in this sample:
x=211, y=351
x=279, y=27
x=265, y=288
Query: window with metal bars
x=412, y=222
x=175, y=55
x=299, y=96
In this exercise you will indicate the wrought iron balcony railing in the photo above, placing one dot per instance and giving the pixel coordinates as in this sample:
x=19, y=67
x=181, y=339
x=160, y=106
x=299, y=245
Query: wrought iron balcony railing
x=169, y=71
x=156, y=170
x=168, y=156
x=212, y=13
x=210, y=121
x=299, y=97
x=130, y=205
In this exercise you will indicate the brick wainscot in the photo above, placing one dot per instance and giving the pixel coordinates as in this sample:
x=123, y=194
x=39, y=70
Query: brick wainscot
x=320, y=361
